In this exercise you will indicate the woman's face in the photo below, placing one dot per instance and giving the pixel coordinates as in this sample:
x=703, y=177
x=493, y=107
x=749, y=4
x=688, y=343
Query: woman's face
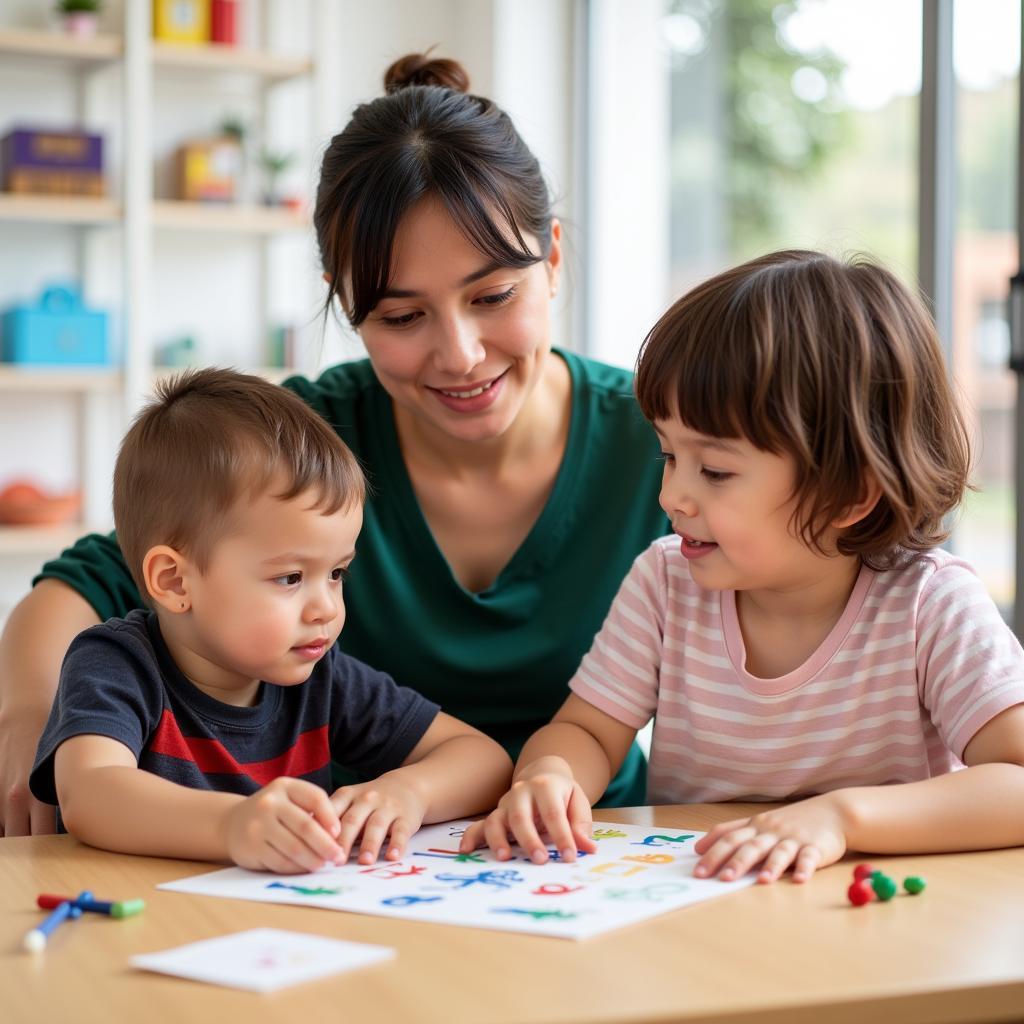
x=457, y=342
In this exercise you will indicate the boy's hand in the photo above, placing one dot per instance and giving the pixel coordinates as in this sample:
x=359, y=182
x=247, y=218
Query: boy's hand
x=808, y=835
x=386, y=807
x=550, y=799
x=286, y=827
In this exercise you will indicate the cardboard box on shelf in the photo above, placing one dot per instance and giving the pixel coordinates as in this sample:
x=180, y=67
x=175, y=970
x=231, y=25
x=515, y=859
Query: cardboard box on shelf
x=68, y=162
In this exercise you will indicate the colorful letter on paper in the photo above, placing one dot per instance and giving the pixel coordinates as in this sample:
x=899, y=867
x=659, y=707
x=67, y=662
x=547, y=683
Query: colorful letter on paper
x=637, y=873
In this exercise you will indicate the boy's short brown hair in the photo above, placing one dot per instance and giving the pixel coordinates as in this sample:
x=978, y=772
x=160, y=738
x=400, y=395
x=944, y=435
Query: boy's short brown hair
x=834, y=363
x=208, y=438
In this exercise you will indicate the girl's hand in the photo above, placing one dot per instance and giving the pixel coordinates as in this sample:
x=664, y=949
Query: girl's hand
x=542, y=802
x=286, y=827
x=807, y=835
x=386, y=807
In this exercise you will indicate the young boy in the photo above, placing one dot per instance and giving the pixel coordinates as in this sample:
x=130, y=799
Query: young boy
x=205, y=727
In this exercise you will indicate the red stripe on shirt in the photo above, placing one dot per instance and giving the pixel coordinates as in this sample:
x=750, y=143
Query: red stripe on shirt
x=310, y=752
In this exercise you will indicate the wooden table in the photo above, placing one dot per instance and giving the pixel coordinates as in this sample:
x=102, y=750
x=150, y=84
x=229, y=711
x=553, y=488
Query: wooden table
x=779, y=954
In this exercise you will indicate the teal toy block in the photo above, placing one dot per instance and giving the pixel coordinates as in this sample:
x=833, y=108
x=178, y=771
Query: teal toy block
x=57, y=331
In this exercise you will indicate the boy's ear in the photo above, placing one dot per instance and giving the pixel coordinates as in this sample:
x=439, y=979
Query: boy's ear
x=870, y=494
x=166, y=573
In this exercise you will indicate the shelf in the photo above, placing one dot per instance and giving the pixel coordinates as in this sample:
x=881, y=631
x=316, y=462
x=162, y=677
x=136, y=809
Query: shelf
x=39, y=541
x=35, y=44
x=58, y=209
x=233, y=59
x=243, y=220
x=47, y=380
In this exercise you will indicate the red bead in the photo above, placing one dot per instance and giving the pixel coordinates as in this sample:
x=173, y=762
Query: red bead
x=862, y=871
x=860, y=893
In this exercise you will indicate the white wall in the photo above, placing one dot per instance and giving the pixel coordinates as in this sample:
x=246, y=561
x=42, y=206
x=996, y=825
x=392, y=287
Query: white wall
x=519, y=51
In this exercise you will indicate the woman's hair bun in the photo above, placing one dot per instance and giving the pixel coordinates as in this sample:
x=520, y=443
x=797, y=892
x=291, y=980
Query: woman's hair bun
x=421, y=69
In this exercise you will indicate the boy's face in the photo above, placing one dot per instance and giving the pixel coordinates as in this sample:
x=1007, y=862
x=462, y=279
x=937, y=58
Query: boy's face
x=270, y=602
x=732, y=505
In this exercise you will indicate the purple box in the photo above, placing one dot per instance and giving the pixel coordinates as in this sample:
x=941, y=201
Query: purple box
x=52, y=161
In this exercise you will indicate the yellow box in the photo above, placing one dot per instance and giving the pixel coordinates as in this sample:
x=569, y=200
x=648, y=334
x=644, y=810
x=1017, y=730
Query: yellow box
x=181, y=21
x=209, y=170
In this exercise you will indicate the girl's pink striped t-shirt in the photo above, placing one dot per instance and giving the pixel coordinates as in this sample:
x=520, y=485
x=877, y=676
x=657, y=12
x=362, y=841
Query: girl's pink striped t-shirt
x=919, y=661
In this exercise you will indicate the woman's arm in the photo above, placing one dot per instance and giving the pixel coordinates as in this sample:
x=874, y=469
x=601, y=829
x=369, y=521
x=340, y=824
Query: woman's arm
x=32, y=647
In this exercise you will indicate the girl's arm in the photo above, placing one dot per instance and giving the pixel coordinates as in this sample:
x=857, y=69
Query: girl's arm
x=33, y=645
x=563, y=768
x=453, y=771
x=106, y=800
x=964, y=810
x=970, y=809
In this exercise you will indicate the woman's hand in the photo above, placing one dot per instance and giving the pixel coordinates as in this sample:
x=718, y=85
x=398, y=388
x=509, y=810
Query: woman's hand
x=545, y=800
x=287, y=827
x=808, y=835
x=387, y=808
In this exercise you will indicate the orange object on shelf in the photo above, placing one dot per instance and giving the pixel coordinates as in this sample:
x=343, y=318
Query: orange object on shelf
x=22, y=503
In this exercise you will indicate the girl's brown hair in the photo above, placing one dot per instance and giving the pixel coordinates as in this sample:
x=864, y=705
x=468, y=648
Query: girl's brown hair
x=835, y=364
x=427, y=136
x=209, y=438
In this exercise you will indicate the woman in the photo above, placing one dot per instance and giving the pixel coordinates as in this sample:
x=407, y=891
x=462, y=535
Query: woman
x=508, y=478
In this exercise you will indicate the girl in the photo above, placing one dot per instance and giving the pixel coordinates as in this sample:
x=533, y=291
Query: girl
x=483, y=573
x=801, y=636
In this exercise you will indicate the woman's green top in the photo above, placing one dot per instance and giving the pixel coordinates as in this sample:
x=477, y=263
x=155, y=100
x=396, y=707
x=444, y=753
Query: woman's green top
x=499, y=659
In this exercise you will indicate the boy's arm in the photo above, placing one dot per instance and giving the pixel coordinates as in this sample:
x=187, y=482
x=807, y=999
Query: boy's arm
x=106, y=800
x=563, y=768
x=34, y=642
x=454, y=770
x=970, y=809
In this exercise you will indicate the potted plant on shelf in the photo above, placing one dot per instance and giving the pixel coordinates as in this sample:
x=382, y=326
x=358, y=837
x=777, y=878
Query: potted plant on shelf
x=80, y=17
x=274, y=164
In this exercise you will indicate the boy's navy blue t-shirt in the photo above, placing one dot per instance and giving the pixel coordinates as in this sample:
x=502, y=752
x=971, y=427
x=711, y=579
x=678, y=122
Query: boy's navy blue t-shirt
x=119, y=680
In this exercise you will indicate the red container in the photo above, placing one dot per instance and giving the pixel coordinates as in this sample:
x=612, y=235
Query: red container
x=224, y=22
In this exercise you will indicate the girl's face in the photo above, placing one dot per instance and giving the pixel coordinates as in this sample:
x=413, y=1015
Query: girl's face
x=732, y=506
x=458, y=343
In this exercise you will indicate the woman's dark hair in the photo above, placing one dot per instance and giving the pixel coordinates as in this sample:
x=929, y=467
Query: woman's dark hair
x=425, y=137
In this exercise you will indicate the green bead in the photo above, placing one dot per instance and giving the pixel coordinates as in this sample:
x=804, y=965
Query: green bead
x=884, y=886
x=914, y=884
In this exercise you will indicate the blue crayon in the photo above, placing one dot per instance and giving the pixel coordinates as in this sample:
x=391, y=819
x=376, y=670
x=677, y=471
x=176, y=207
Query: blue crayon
x=85, y=901
x=35, y=940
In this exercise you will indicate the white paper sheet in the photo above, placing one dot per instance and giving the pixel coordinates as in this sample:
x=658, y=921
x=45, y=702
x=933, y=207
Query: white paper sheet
x=637, y=873
x=262, y=959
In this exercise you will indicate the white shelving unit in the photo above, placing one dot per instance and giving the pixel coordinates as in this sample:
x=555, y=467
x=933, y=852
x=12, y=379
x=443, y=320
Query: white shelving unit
x=139, y=217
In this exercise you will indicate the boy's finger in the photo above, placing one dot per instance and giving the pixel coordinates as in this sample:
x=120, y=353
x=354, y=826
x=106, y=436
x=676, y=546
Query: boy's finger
x=374, y=832
x=309, y=831
x=401, y=833
x=352, y=822
x=315, y=801
x=294, y=857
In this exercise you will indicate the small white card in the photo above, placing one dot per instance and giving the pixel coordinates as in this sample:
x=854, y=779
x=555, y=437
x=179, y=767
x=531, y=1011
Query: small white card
x=262, y=959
